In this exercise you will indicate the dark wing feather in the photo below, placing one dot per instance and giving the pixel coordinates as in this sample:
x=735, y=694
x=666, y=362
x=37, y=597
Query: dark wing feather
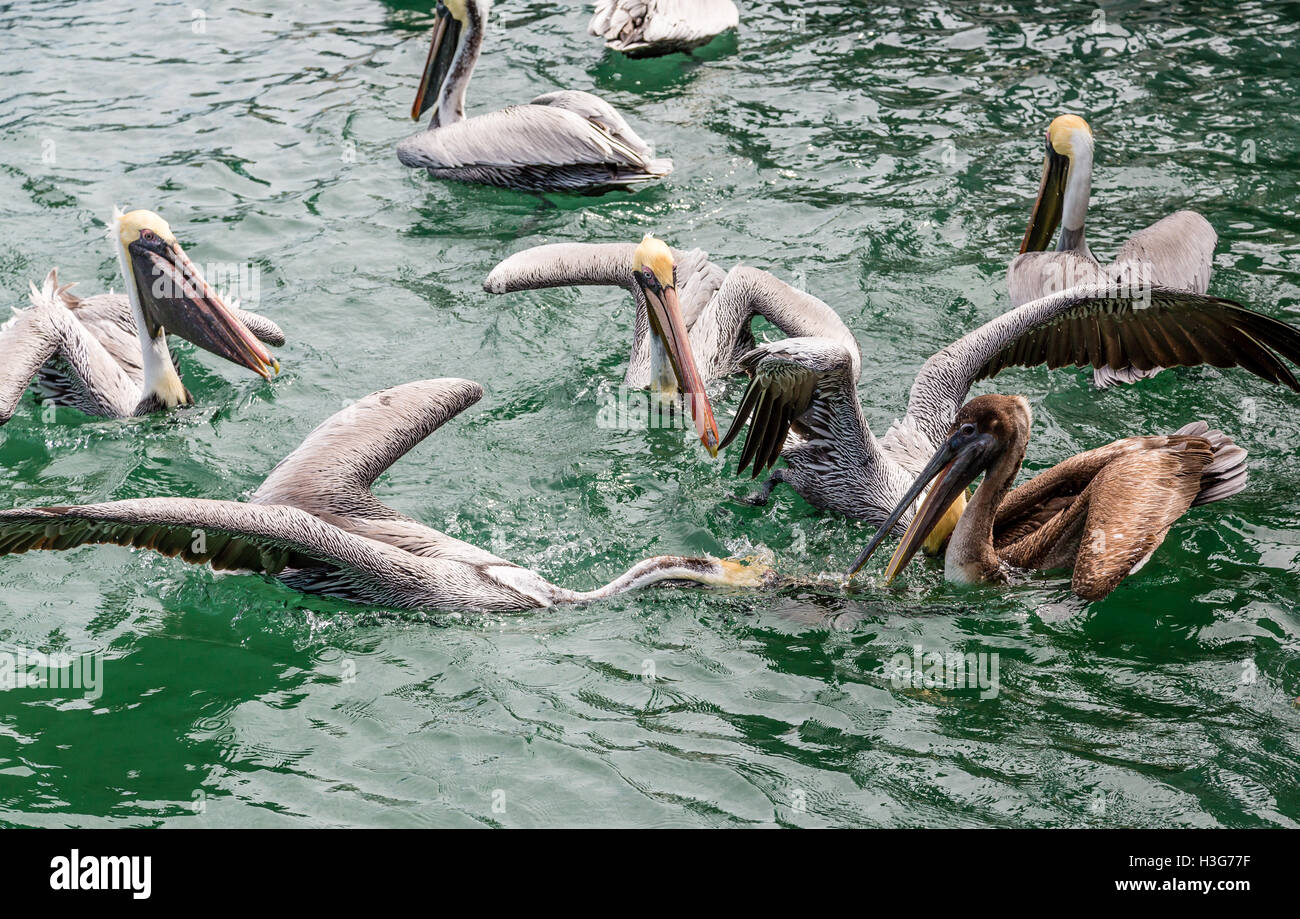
x=1097, y=327
x=794, y=384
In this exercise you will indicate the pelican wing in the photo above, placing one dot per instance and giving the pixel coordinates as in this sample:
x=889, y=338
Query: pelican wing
x=644, y=27
x=527, y=144
x=1095, y=327
x=332, y=471
x=299, y=548
x=799, y=384
x=1177, y=251
x=49, y=331
x=227, y=535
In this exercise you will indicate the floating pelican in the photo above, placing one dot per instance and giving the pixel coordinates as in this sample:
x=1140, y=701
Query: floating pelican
x=676, y=290
x=650, y=28
x=1102, y=513
x=1176, y=252
x=315, y=525
x=107, y=355
x=802, y=403
x=561, y=141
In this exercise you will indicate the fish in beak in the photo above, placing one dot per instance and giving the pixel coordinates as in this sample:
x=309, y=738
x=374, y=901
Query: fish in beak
x=653, y=270
x=175, y=298
x=447, y=29
x=959, y=462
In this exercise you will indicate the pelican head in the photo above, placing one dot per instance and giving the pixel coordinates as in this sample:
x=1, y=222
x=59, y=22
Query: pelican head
x=1063, y=193
x=457, y=33
x=172, y=295
x=983, y=432
x=673, y=361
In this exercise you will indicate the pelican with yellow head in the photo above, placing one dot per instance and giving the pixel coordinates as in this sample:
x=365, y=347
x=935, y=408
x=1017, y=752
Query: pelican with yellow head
x=107, y=355
x=1176, y=252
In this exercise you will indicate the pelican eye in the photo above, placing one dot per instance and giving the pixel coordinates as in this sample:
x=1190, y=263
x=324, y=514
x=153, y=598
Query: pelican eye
x=967, y=430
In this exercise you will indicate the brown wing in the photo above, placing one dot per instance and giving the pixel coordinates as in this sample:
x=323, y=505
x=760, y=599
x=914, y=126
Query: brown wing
x=1131, y=506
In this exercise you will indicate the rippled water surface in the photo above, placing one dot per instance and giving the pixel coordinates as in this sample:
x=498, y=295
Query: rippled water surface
x=882, y=156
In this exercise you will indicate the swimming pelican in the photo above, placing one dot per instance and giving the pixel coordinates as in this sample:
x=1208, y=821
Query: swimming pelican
x=1175, y=252
x=107, y=355
x=561, y=141
x=650, y=28
x=1102, y=513
x=315, y=525
x=802, y=402
x=715, y=307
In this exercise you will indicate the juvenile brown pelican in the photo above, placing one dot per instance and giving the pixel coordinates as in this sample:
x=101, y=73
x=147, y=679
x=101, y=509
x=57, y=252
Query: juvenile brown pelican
x=1175, y=252
x=715, y=307
x=650, y=28
x=107, y=355
x=561, y=141
x=315, y=525
x=1102, y=513
x=802, y=403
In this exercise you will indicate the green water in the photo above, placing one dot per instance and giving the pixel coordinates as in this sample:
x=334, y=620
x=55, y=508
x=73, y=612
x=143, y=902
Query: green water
x=883, y=157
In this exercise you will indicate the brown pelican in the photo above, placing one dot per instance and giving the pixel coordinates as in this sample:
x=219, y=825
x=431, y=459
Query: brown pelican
x=1102, y=513
x=802, y=403
x=107, y=355
x=315, y=525
x=715, y=307
x=1175, y=252
x=561, y=141
x=650, y=28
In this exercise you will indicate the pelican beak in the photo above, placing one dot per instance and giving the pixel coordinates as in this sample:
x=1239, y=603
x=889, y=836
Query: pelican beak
x=446, y=39
x=958, y=463
x=1046, y=216
x=175, y=298
x=669, y=329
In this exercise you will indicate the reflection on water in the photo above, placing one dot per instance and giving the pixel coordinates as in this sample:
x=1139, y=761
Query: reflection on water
x=883, y=157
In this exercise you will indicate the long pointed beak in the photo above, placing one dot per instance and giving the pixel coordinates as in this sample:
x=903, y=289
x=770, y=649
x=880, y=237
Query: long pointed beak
x=446, y=38
x=1046, y=216
x=668, y=324
x=176, y=298
x=956, y=465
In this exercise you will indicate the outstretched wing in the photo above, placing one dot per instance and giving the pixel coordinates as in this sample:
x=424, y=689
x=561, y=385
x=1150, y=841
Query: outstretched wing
x=331, y=473
x=301, y=549
x=227, y=535
x=1094, y=326
x=804, y=384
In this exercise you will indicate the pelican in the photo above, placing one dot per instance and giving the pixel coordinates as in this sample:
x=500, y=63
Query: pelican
x=561, y=141
x=802, y=403
x=715, y=308
x=651, y=28
x=107, y=355
x=1102, y=513
x=315, y=525
x=1175, y=252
